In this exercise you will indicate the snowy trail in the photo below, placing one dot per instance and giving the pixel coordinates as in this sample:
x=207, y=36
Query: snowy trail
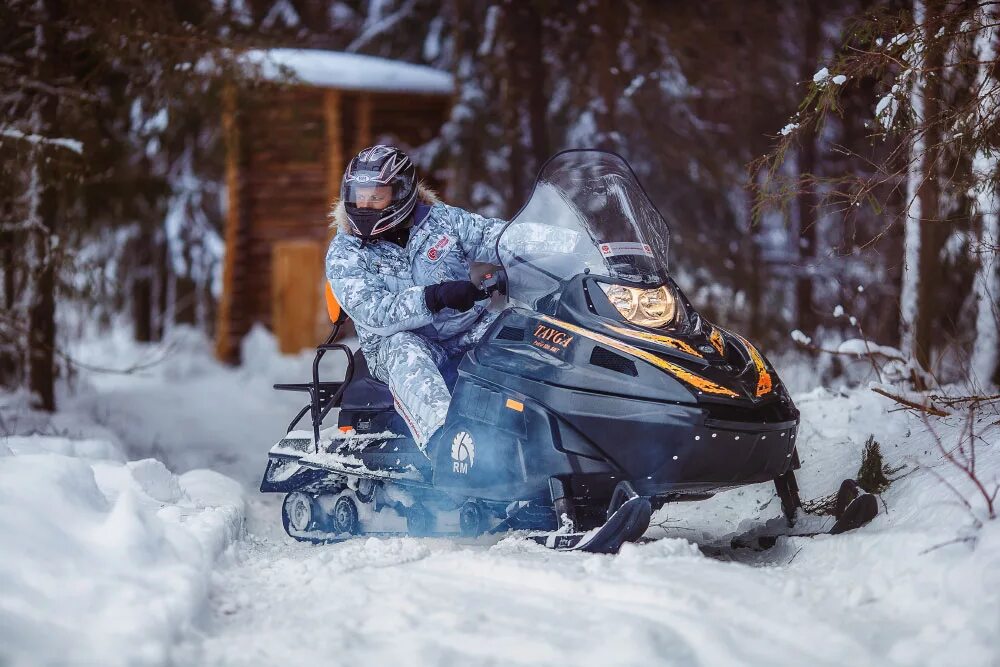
x=425, y=601
x=883, y=595
x=889, y=593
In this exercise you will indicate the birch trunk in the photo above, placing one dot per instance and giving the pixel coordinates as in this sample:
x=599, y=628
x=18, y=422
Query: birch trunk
x=987, y=284
x=910, y=289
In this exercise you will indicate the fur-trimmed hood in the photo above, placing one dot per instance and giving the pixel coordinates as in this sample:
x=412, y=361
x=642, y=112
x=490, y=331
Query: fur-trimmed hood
x=338, y=214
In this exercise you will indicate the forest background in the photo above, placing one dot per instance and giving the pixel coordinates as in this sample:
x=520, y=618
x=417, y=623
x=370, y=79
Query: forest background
x=828, y=170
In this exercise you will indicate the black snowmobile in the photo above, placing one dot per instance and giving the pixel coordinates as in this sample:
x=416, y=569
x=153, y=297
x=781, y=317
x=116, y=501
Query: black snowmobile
x=598, y=395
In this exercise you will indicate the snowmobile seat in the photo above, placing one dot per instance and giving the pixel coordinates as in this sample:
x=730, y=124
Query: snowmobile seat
x=364, y=392
x=367, y=405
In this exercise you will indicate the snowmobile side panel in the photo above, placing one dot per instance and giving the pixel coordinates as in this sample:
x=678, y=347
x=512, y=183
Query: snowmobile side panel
x=663, y=447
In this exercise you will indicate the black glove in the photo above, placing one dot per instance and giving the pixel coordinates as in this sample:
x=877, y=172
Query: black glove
x=457, y=294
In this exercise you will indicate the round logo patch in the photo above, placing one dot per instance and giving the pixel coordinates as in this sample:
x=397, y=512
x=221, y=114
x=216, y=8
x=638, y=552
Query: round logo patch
x=432, y=254
x=463, y=452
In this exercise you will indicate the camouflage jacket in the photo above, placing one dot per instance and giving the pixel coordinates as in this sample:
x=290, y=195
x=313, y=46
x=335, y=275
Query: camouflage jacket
x=381, y=286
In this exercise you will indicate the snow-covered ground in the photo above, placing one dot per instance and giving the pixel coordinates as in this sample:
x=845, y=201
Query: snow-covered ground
x=132, y=533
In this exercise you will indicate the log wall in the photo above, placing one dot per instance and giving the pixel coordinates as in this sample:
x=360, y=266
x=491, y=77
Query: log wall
x=286, y=152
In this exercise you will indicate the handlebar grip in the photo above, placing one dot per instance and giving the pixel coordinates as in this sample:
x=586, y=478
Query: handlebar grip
x=494, y=281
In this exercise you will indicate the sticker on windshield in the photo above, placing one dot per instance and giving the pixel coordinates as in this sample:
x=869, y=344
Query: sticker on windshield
x=626, y=248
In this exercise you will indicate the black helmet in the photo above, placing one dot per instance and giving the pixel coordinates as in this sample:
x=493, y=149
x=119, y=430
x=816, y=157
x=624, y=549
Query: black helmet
x=375, y=168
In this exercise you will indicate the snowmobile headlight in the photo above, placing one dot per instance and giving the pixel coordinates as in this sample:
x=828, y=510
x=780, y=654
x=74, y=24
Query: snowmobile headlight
x=645, y=307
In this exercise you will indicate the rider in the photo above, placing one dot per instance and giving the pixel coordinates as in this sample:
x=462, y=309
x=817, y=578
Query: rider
x=399, y=266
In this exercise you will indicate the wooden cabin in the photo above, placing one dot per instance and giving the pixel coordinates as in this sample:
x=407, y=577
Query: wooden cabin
x=287, y=145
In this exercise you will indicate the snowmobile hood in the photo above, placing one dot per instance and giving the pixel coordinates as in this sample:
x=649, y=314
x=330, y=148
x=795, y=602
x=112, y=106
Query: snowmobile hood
x=711, y=363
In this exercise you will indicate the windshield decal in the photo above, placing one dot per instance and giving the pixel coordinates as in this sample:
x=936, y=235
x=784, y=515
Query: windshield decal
x=625, y=248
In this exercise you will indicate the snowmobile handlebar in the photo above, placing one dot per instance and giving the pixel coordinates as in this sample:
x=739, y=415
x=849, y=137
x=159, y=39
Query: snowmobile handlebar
x=491, y=278
x=495, y=282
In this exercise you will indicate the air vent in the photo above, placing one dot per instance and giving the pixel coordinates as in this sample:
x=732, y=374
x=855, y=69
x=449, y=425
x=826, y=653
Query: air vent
x=511, y=333
x=613, y=362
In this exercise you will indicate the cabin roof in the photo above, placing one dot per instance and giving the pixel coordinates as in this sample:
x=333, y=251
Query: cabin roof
x=350, y=71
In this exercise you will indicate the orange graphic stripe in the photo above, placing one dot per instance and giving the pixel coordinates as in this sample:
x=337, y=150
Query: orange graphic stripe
x=658, y=338
x=764, y=384
x=715, y=338
x=679, y=372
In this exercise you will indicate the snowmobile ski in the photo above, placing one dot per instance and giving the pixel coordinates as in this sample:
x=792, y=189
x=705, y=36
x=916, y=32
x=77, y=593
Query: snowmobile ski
x=853, y=509
x=626, y=523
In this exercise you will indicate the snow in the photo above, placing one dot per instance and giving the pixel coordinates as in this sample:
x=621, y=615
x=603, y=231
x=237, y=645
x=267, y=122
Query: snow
x=105, y=561
x=121, y=547
x=788, y=129
x=862, y=347
x=840, y=79
x=800, y=337
x=903, y=38
x=70, y=144
x=886, y=108
x=283, y=13
x=821, y=76
x=350, y=71
x=838, y=311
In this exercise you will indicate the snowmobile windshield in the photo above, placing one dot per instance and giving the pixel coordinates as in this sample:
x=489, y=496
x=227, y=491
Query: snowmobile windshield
x=586, y=214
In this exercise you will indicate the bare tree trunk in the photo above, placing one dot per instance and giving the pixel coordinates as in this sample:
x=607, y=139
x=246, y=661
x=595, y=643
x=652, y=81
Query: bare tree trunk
x=807, y=200
x=142, y=269
x=530, y=40
x=605, y=62
x=42, y=217
x=163, y=284
x=909, y=298
x=985, y=363
x=932, y=230
x=511, y=92
x=525, y=106
x=463, y=160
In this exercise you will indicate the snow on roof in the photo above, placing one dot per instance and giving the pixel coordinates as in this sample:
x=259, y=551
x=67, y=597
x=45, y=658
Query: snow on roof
x=351, y=71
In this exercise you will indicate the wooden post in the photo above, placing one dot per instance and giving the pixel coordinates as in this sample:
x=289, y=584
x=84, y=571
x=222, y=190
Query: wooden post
x=332, y=100
x=296, y=279
x=363, y=139
x=225, y=348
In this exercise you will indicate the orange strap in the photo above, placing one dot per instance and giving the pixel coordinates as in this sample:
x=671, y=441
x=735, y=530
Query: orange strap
x=332, y=306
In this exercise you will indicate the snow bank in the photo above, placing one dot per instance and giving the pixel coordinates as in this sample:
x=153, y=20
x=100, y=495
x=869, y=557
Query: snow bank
x=351, y=71
x=104, y=561
x=190, y=411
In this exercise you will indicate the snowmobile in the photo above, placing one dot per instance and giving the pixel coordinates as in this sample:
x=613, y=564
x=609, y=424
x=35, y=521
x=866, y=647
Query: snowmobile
x=598, y=394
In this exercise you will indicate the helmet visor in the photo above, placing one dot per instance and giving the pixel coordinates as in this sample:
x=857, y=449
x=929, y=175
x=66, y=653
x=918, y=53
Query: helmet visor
x=370, y=189
x=375, y=207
